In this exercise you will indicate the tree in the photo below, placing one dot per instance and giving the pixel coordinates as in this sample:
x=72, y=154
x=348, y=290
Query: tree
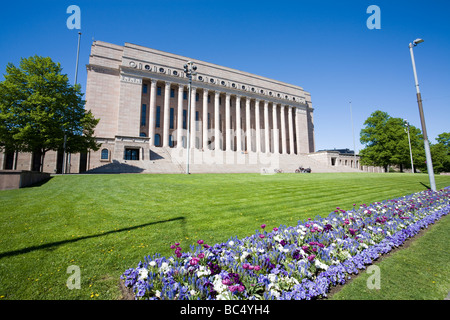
x=440, y=153
x=386, y=142
x=39, y=107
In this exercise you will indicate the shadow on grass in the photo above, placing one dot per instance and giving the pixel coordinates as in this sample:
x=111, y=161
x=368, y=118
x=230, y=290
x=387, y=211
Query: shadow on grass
x=428, y=187
x=58, y=243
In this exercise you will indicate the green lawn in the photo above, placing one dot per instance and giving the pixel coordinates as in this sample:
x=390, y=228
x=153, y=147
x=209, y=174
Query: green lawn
x=419, y=272
x=105, y=224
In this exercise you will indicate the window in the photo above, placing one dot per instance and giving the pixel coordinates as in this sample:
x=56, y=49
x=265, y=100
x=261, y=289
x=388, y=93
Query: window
x=172, y=116
x=170, y=141
x=143, y=114
x=105, y=154
x=184, y=119
x=196, y=120
x=157, y=140
x=209, y=98
x=131, y=154
x=209, y=120
x=144, y=88
x=197, y=96
x=172, y=93
x=185, y=95
x=158, y=117
x=158, y=92
x=142, y=134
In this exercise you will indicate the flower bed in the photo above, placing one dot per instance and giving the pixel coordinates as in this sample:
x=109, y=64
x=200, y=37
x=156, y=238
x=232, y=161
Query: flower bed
x=295, y=262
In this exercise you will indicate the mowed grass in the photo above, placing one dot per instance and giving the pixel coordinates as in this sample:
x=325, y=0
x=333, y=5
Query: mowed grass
x=105, y=224
x=420, y=271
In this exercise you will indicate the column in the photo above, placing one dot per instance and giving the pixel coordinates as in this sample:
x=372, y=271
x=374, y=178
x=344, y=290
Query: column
x=276, y=142
x=180, y=117
x=227, y=123
x=266, y=127
x=166, y=115
x=217, y=133
x=257, y=126
x=152, y=113
x=238, y=124
x=193, y=111
x=248, y=132
x=283, y=130
x=297, y=130
x=291, y=131
x=205, y=119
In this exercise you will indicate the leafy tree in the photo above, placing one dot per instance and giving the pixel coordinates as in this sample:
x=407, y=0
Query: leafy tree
x=440, y=153
x=39, y=107
x=386, y=142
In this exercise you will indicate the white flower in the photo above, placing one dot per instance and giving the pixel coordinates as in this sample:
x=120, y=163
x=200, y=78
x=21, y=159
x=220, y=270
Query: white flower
x=274, y=293
x=193, y=292
x=164, y=267
x=203, y=271
x=231, y=243
x=218, y=285
x=244, y=255
x=152, y=263
x=143, y=274
x=321, y=265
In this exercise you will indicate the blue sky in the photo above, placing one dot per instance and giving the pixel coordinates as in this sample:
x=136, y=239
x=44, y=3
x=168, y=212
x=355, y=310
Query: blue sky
x=323, y=46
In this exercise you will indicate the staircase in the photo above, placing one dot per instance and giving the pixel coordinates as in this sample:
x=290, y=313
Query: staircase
x=172, y=160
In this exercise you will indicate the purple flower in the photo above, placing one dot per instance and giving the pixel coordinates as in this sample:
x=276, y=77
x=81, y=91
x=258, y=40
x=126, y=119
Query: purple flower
x=263, y=226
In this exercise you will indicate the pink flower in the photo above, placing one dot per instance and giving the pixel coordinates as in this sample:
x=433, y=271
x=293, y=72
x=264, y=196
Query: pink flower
x=261, y=236
x=311, y=257
x=201, y=255
x=275, y=229
x=200, y=241
x=245, y=265
x=257, y=268
x=263, y=226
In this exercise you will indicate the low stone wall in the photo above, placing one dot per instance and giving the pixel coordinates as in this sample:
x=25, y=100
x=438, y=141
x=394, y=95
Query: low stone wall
x=15, y=179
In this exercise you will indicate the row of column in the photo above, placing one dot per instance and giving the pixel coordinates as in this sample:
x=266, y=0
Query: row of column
x=246, y=137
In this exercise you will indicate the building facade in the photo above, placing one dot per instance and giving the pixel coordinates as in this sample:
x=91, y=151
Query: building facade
x=141, y=96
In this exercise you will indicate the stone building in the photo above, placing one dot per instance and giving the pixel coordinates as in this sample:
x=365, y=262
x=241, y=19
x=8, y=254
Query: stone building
x=237, y=121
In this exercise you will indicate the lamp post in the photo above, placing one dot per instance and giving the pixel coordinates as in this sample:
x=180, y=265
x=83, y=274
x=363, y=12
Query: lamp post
x=422, y=118
x=66, y=157
x=406, y=123
x=189, y=70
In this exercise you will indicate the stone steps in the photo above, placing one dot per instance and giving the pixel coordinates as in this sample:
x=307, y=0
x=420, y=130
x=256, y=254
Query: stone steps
x=173, y=160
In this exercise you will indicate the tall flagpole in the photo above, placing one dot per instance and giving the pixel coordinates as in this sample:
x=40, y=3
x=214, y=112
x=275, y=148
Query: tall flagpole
x=76, y=80
x=353, y=132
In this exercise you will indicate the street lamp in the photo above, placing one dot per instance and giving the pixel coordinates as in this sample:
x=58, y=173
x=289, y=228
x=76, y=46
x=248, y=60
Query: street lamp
x=422, y=118
x=406, y=123
x=189, y=70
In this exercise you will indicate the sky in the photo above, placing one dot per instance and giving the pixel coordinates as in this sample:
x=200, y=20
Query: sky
x=325, y=47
